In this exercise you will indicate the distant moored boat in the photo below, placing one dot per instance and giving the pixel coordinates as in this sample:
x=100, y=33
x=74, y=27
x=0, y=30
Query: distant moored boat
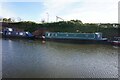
x=115, y=41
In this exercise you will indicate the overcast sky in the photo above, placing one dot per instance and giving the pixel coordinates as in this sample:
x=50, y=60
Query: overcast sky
x=88, y=11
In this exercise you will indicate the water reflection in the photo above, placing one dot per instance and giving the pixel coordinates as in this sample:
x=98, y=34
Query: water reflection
x=35, y=59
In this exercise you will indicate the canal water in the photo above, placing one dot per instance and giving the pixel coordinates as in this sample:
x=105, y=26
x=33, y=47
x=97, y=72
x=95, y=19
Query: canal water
x=38, y=59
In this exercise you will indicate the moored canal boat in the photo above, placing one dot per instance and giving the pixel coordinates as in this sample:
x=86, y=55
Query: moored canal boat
x=83, y=38
x=115, y=41
x=11, y=33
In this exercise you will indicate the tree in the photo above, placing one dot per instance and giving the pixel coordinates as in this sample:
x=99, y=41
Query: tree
x=9, y=20
x=5, y=19
x=76, y=21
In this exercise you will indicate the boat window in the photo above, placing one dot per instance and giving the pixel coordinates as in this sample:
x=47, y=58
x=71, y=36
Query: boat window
x=16, y=33
x=21, y=33
x=26, y=32
x=98, y=35
x=48, y=34
x=55, y=34
x=10, y=29
x=9, y=33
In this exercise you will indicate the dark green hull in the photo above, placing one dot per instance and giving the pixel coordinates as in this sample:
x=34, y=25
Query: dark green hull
x=79, y=41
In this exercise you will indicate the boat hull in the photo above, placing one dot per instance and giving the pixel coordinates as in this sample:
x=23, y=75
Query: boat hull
x=78, y=41
x=114, y=43
x=10, y=36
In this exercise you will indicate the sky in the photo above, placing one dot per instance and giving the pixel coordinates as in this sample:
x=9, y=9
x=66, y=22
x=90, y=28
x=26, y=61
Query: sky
x=88, y=11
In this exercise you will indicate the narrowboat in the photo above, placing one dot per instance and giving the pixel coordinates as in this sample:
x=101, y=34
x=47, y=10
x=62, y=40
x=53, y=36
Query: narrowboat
x=115, y=41
x=84, y=38
x=11, y=33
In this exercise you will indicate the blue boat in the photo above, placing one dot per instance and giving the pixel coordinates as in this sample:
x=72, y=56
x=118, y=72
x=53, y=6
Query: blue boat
x=76, y=37
x=9, y=32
